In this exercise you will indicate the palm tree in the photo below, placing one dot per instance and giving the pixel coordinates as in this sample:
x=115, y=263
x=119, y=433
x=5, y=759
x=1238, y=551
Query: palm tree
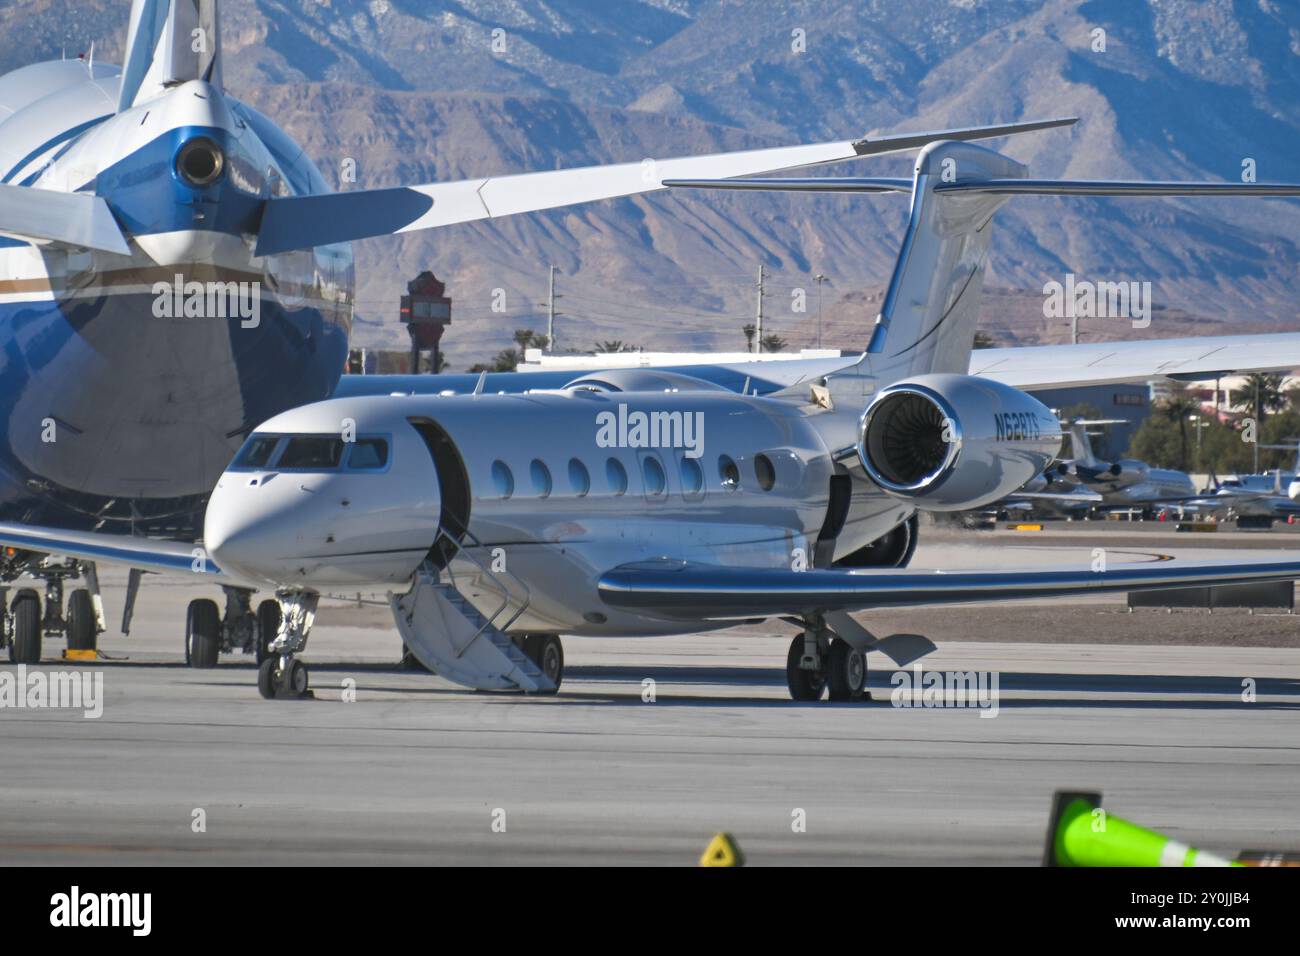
x=774, y=343
x=1180, y=405
x=1262, y=392
x=616, y=345
x=528, y=339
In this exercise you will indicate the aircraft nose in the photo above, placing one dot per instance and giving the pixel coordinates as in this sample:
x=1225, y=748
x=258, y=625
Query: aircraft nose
x=245, y=533
x=319, y=530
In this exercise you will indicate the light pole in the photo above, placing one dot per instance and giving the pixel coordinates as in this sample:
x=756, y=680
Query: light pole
x=819, y=279
x=1200, y=423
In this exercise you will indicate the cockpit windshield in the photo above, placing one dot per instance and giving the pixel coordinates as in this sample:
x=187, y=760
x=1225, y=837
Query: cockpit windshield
x=311, y=452
x=319, y=453
x=257, y=451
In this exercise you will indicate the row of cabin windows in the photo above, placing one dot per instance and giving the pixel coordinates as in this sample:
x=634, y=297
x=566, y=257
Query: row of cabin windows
x=653, y=476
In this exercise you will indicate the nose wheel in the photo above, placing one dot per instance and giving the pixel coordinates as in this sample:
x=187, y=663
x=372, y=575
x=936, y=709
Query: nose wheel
x=280, y=675
x=283, y=678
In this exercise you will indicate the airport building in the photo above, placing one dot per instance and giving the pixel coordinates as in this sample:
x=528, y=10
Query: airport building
x=1129, y=403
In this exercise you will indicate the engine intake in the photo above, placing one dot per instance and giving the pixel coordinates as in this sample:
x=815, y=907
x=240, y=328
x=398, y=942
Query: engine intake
x=910, y=438
x=951, y=442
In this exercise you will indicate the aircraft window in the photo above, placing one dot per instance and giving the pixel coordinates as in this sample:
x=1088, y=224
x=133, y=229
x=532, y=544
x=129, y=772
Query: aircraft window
x=692, y=477
x=257, y=451
x=312, y=452
x=765, y=472
x=503, y=479
x=368, y=454
x=655, y=479
x=541, y=476
x=616, y=475
x=578, y=477
x=729, y=473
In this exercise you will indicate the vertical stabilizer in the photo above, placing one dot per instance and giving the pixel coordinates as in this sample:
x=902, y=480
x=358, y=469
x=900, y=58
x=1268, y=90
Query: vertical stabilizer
x=927, y=323
x=1081, y=444
x=170, y=42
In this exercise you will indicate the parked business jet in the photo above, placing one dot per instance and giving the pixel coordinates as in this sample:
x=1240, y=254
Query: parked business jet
x=174, y=270
x=1254, y=500
x=1123, y=483
x=641, y=501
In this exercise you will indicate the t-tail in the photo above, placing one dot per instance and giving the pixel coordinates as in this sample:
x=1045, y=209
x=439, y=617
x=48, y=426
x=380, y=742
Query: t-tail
x=930, y=434
x=927, y=323
x=170, y=42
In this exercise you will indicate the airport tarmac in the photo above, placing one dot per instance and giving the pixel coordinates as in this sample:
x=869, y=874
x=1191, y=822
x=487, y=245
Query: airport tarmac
x=1148, y=707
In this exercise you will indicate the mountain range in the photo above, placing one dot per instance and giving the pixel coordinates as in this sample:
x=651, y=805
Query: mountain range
x=423, y=91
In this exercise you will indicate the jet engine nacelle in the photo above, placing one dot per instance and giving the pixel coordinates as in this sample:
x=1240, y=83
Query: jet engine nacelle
x=1123, y=474
x=952, y=442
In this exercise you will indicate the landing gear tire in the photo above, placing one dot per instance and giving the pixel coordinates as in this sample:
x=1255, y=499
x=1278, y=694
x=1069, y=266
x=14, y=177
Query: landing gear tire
x=846, y=671
x=82, y=628
x=275, y=682
x=550, y=658
x=268, y=674
x=26, y=611
x=546, y=651
x=803, y=684
x=268, y=626
x=202, y=634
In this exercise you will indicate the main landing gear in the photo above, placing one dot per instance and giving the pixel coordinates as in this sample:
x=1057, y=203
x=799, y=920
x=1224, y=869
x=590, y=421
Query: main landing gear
x=546, y=651
x=820, y=661
x=281, y=676
x=209, y=633
x=31, y=617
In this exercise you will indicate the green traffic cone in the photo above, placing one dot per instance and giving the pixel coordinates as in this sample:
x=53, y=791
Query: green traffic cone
x=1080, y=833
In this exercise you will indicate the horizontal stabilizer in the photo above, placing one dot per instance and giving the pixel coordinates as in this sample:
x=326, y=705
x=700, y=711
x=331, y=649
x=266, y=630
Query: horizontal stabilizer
x=72, y=219
x=996, y=187
x=822, y=185
x=1106, y=187
x=300, y=222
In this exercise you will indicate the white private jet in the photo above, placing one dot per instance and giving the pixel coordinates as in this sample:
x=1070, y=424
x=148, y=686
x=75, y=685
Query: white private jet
x=175, y=269
x=643, y=501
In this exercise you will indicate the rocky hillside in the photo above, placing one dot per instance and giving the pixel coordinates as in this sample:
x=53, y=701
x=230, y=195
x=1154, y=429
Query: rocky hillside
x=417, y=91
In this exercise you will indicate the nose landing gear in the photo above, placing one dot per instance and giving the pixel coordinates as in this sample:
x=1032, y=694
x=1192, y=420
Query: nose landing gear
x=281, y=676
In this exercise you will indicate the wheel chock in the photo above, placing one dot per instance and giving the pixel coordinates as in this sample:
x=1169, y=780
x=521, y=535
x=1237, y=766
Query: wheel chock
x=722, y=851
